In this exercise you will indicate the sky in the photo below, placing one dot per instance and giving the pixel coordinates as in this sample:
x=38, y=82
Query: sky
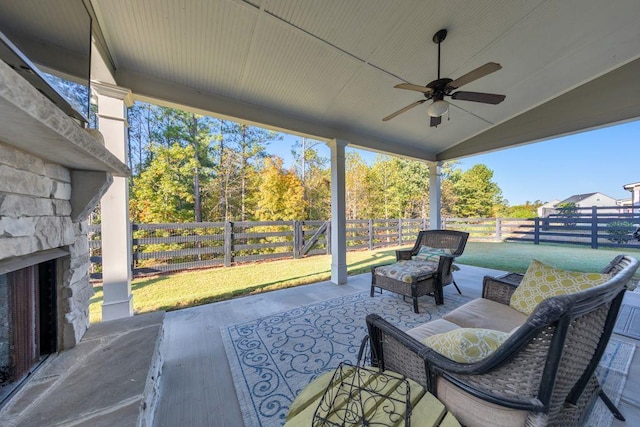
x=601, y=160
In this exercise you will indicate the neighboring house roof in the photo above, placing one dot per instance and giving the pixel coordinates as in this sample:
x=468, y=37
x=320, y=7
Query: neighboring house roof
x=576, y=198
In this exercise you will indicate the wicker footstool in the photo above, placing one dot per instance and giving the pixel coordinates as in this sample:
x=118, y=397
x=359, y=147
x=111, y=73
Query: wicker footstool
x=425, y=284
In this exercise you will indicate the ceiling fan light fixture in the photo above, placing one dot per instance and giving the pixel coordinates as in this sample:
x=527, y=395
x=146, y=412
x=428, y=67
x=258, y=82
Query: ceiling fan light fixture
x=438, y=108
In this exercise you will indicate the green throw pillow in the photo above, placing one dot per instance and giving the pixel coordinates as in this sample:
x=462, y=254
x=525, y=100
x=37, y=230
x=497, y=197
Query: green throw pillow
x=425, y=253
x=542, y=281
x=466, y=345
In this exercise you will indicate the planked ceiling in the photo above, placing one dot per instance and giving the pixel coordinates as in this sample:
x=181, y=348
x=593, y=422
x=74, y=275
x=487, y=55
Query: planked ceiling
x=327, y=68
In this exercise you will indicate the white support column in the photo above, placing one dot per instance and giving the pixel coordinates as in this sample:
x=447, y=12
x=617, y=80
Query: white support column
x=435, y=193
x=116, y=227
x=338, y=214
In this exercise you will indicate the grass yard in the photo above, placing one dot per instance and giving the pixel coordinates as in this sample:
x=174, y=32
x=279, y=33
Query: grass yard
x=517, y=256
x=180, y=290
x=187, y=289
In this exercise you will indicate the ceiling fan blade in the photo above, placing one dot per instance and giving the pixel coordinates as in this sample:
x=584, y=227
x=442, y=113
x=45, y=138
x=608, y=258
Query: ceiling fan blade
x=486, y=69
x=435, y=121
x=486, y=98
x=417, y=88
x=402, y=110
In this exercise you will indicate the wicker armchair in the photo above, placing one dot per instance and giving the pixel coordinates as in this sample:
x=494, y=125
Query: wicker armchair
x=542, y=375
x=433, y=282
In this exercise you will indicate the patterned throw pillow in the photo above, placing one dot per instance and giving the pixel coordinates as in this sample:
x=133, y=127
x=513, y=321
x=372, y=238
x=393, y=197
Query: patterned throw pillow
x=425, y=253
x=542, y=281
x=467, y=345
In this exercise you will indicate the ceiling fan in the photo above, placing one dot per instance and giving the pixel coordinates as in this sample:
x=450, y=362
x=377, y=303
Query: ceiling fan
x=442, y=87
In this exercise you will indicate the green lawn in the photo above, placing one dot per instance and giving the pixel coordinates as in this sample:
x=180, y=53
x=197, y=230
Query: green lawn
x=517, y=256
x=179, y=290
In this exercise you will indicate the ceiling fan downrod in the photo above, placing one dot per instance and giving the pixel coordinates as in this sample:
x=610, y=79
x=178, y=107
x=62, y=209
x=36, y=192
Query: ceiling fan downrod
x=437, y=39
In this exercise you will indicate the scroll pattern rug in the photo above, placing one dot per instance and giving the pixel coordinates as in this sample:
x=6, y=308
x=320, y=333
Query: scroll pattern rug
x=273, y=358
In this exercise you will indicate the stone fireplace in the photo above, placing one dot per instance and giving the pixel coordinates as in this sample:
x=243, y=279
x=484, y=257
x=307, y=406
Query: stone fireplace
x=52, y=175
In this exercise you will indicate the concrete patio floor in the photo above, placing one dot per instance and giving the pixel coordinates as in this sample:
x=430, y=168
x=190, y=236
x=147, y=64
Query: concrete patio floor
x=197, y=387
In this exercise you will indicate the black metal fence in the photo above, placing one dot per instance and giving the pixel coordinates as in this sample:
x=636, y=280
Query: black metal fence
x=172, y=247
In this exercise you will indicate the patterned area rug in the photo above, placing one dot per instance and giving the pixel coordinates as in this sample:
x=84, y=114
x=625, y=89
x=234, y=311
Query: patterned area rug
x=275, y=357
x=612, y=374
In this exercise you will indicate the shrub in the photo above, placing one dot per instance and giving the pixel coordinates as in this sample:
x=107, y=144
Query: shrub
x=569, y=211
x=619, y=231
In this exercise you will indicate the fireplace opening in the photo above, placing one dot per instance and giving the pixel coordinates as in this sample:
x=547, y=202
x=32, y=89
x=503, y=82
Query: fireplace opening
x=28, y=325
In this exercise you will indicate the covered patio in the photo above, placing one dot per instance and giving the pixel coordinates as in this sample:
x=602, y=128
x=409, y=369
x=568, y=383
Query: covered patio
x=321, y=70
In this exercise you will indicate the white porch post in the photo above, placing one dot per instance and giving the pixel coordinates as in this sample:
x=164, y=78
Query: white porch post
x=338, y=215
x=435, y=193
x=116, y=228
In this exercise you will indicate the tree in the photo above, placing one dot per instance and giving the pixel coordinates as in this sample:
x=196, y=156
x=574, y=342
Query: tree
x=152, y=126
x=356, y=186
x=141, y=120
x=450, y=174
x=380, y=179
x=314, y=174
x=411, y=188
x=526, y=210
x=399, y=188
x=281, y=193
x=163, y=192
x=224, y=171
x=236, y=150
x=476, y=193
x=251, y=142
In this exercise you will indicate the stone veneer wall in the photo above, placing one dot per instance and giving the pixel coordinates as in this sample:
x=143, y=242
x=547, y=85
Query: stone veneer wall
x=35, y=215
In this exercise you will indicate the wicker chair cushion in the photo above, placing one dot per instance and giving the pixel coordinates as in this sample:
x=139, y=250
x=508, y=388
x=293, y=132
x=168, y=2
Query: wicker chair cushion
x=408, y=271
x=542, y=281
x=427, y=253
x=467, y=345
x=473, y=411
x=433, y=327
x=484, y=313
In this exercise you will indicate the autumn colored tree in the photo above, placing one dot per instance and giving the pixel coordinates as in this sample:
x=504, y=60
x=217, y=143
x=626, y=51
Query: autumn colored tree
x=356, y=186
x=281, y=194
x=315, y=175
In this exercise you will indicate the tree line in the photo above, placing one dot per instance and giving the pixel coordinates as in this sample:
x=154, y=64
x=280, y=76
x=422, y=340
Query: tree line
x=192, y=168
